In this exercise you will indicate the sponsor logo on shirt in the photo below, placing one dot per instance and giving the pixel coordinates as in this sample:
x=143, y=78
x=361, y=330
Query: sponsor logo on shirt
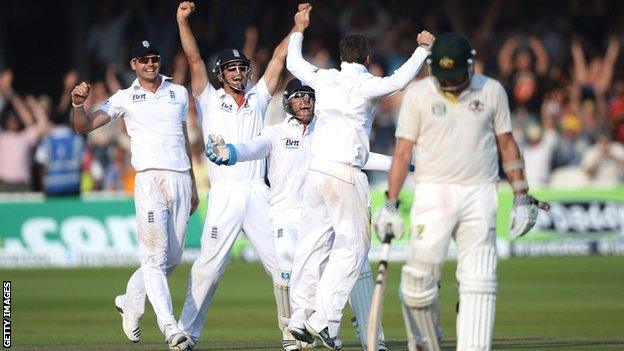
x=138, y=97
x=438, y=108
x=225, y=107
x=291, y=143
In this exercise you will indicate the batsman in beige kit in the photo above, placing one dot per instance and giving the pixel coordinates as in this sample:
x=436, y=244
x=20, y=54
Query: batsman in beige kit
x=456, y=123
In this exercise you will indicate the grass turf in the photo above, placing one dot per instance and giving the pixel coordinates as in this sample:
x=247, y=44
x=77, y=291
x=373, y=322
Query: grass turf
x=543, y=304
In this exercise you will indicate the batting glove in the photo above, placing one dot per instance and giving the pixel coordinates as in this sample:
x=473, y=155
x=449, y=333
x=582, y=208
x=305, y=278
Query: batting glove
x=219, y=152
x=524, y=214
x=388, y=221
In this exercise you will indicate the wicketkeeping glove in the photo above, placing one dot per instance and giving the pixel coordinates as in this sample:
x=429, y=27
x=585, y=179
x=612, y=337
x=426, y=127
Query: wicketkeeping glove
x=388, y=220
x=219, y=152
x=524, y=214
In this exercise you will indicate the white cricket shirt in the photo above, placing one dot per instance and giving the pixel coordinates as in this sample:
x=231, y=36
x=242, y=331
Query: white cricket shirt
x=345, y=102
x=287, y=146
x=455, y=141
x=154, y=124
x=219, y=114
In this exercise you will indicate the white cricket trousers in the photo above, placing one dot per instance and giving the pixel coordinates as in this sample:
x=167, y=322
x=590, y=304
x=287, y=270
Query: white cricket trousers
x=466, y=213
x=232, y=207
x=335, y=228
x=162, y=201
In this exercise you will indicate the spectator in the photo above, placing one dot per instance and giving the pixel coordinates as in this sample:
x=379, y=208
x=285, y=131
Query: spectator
x=604, y=162
x=19, y=133
x=60, y=154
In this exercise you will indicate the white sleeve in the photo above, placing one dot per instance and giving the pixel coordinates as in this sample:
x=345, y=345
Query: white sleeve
x=114, y=106
x=295, y=63
x=408, y=125
x=185, y=108
x=377, y=86
x=502, y=117
x=378, y=162
x=254, y=149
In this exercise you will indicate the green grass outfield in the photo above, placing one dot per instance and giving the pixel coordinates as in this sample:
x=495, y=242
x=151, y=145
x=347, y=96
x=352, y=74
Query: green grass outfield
x=543, y=304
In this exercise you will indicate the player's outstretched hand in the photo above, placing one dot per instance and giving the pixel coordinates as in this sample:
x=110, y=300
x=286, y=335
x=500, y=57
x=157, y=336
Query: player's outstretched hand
x=184, y=10
x=80, y=93
x=302, y=17
x=425, y=39
x=219, y=152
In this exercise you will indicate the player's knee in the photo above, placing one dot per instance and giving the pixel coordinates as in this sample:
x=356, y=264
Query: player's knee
x=173, y=263
x=419, y=288
x=477, y=272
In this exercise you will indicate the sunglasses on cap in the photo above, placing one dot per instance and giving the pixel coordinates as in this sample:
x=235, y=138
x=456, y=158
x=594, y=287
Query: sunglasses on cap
x=303, y=94
x=147, y=59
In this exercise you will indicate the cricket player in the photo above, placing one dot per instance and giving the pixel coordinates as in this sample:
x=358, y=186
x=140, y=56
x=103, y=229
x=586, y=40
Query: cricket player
x=238, y=198
x=286, y=145
x=154, y=110
x=336, y=200
x=457, y=122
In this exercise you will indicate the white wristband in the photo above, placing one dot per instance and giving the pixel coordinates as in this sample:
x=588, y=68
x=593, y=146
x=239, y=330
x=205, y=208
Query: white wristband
x=77, y=106
x=519, y=185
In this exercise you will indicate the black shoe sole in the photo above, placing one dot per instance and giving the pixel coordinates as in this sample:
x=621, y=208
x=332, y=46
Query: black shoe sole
x=304, y=337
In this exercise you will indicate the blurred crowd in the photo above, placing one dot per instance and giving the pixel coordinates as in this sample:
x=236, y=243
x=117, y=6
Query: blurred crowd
x=560, y=64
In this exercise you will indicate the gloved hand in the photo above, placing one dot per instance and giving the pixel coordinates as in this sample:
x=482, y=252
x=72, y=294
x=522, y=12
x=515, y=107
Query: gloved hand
x=389, y=221
x=219, y=152
x=524, y=214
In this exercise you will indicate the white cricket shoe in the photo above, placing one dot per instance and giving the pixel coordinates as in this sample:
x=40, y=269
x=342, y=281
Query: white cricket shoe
x=289, y=343
x=130, y=326
x=177, y=340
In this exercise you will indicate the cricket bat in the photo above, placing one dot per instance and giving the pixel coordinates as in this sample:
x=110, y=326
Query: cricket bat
x=376, y=310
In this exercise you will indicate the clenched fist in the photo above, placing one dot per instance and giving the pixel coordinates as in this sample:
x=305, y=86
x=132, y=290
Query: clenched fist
x=80, y=93
x=184, y=10
x=302, y=17
x=425, y=39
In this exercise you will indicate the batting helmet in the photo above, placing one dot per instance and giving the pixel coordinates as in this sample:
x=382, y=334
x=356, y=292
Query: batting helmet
x=225, y=57
x=452, y=61
x=296, y=89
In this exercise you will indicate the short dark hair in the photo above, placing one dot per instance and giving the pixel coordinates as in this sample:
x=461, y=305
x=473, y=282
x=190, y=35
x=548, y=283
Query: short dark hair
x=354, y=48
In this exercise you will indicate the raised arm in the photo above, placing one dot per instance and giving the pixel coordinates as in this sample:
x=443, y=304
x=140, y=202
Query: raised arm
x=6, y=89
x=378, y=87
x=606, y=73
x=542, y=59
x=81, y=122
x=199, y=73
x=276, y=65
x=300, y=68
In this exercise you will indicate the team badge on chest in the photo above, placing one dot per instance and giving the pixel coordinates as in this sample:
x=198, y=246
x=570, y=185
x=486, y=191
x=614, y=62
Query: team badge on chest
x=438, y=109
x=476, y=106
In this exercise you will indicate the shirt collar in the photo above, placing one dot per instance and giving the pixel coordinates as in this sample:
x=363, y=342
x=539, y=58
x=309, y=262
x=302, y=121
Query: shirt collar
x=135, y=84
x=221, y=92
x=352, y=67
